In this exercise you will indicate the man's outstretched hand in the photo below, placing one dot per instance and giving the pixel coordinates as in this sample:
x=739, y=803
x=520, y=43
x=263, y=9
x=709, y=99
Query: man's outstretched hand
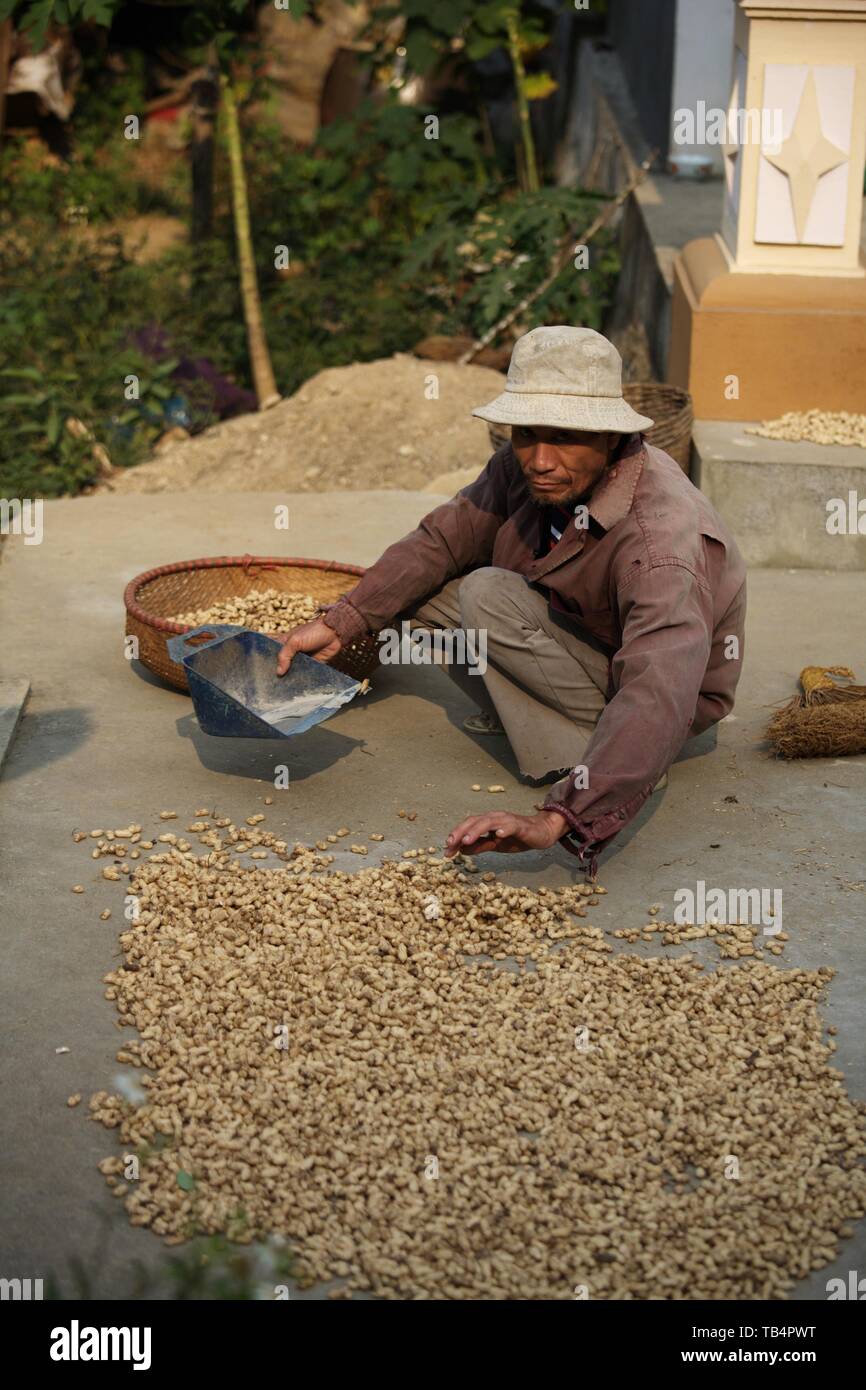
x=315, y=638
x=506, y=832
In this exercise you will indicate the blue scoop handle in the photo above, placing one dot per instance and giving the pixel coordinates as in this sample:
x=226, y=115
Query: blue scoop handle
x=177, y=646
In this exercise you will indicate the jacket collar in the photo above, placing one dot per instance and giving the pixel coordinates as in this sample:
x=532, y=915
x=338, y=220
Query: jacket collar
x=613, y=494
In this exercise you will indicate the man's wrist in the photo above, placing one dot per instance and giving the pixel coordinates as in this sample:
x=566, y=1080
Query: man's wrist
x=556, y=821
x=343, y=618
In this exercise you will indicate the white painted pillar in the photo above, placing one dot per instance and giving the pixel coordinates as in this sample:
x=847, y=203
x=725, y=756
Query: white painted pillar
x=795, y=156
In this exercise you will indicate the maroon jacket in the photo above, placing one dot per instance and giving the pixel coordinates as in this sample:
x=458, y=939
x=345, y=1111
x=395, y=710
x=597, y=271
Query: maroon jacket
x=656, y=578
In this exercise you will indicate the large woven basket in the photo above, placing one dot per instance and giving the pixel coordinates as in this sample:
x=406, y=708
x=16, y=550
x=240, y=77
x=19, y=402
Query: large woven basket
x=671, y=409
x=669, y=406
x=152, y=599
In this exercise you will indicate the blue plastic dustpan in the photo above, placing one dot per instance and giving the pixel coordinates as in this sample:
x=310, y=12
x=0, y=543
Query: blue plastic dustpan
x=236, y=692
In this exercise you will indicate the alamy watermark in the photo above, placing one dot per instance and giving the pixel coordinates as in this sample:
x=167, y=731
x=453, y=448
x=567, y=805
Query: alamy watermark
x=702, y=906
x=846, y=518
x=20, y=1290
x=739, y=125
x=21, y=517
x=77, y=1343
x=432, y=646
x=854, y=1289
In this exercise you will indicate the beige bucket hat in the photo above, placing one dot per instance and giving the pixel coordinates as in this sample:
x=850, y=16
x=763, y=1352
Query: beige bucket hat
x=566, y=377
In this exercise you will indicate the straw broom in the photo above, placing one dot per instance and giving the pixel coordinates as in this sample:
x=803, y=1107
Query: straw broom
x=826, y=720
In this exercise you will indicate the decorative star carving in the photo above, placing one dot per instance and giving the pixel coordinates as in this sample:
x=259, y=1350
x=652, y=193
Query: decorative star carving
x=806, y=156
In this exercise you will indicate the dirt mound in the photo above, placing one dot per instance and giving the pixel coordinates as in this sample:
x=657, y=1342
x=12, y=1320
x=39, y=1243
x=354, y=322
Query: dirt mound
x=368, y=425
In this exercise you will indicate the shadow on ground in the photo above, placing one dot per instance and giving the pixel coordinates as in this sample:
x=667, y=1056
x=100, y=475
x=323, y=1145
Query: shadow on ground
x=261, y=758
x=45, y=737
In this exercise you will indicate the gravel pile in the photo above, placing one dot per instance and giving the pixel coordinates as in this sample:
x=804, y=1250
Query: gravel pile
x=437, y=1085
x=369, y=425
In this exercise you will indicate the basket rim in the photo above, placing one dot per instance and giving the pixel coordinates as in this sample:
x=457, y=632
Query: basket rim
x=661, y=392
x=142, y=615
x=648, y=385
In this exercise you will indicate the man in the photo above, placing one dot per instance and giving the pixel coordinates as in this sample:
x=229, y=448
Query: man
x=611, y=594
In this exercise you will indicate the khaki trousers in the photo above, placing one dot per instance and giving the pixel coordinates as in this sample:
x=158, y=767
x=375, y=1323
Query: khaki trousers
x=544, y=681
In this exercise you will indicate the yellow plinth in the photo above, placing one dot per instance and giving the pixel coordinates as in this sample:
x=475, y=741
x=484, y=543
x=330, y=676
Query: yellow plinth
x=751, y=346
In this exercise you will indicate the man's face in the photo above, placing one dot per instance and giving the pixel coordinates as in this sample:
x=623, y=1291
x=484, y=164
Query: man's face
x=560, y=466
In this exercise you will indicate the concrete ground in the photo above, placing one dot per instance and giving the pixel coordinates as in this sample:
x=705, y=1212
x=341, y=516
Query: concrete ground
x=101, y=744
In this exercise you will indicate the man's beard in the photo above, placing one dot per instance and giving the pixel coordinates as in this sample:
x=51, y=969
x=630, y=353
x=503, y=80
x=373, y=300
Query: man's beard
x=567, y=503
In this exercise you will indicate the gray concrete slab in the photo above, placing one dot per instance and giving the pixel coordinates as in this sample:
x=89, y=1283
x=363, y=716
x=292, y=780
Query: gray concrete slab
x=782, y=499
x=101, y=744
x=13, y=697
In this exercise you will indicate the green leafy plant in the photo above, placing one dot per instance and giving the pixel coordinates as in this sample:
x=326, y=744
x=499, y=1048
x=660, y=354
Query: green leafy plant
x=370, y=183
x=217, y=28
x=461, y=30
x=477, y=271
x=433, y=222
x=38, y=431
x=34, y=16
x=392, y=236
x=67, y=311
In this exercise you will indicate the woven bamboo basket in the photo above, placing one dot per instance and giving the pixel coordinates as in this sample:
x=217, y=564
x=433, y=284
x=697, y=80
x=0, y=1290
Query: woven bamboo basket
x=669, y=406
x=671, y=409
x=153, y=598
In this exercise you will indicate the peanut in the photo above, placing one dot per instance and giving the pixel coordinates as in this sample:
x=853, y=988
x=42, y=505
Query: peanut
x=260, y=610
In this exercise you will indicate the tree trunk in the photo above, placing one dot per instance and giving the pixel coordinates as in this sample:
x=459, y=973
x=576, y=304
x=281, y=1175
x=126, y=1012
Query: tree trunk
x=260, y=359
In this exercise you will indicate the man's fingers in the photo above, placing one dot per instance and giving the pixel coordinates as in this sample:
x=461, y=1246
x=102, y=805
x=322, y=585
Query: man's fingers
x=314, y=638
x=466, y=826
x=497, y=824
x=284, y=660
x=452, y=844
x=506, y=832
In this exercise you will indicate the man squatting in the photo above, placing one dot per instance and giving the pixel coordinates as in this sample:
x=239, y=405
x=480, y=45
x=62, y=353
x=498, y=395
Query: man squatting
x=612, y=595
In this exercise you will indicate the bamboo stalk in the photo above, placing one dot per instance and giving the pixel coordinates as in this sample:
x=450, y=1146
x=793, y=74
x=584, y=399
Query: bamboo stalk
x=522, y=103
x=561, y=260
x=260, y=358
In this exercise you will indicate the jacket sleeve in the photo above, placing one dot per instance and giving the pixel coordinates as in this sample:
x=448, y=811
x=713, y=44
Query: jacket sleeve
x=666, y=618
x=453, y=538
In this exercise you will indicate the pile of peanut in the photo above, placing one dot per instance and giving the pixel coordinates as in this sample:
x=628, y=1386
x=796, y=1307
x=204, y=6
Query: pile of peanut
x=816, y=427
x=261, y=610
x=438, y=1085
